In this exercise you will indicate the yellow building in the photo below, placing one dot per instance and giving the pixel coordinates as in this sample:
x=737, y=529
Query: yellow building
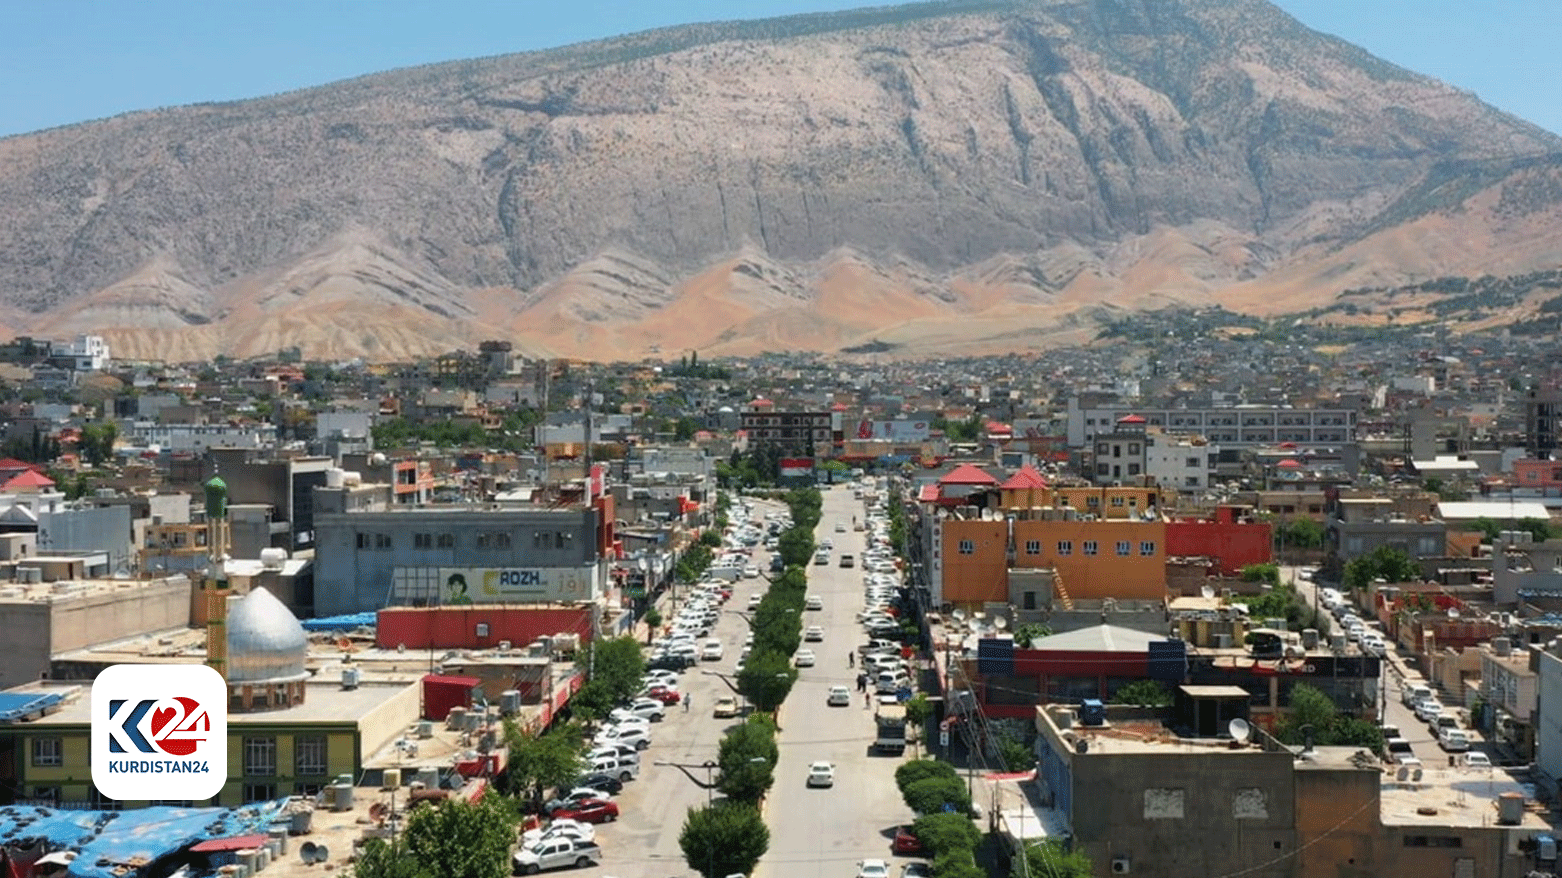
x=1116, y=558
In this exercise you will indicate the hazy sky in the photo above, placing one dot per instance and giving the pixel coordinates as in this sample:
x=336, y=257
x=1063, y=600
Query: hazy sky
x=67, y=61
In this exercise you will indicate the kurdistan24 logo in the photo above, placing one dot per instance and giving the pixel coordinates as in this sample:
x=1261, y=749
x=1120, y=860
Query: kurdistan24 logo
x=159, y=732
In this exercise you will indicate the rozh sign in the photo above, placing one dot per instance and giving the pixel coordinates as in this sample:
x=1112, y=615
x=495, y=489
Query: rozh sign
x=478, y=585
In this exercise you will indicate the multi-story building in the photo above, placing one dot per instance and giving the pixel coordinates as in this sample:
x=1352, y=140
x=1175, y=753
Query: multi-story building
x=795, y=433
x=1229, y=426
x=1542, y=422
x=1509, y=686
x=1180, y=463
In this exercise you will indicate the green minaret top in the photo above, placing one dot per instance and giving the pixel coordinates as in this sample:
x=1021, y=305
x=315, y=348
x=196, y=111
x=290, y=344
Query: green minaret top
x=216, y=498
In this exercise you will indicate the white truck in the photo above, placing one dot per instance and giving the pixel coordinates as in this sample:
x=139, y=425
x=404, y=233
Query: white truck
x=891, y=722
x=557, y=853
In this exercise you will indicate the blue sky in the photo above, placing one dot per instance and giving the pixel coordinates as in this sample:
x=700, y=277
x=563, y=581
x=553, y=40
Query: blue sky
x=67, y=61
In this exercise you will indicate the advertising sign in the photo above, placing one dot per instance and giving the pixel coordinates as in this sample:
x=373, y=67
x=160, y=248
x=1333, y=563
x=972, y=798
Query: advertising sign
x=479, y=585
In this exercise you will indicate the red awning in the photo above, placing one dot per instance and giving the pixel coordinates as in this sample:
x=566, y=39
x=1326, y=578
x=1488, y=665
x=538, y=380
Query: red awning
x=236, y=843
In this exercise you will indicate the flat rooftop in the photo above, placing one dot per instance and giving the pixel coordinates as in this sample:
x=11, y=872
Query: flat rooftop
x=75, y=589
x=324, y=702
x=1456, y=796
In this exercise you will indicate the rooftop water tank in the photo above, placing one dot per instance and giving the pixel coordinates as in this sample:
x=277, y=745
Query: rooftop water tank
x=1092, y=712
x=272, y=557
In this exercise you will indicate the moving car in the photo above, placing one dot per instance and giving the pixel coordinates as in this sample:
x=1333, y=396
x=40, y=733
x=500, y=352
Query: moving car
x=873, y=869
x=712, y=651
x=847, y=561
x=590, y=811
x=726, y=706
x=906, y=841
x=804, y=658
x=813, y=634
x=814, y=602
x=840, y=696
x=821, y=774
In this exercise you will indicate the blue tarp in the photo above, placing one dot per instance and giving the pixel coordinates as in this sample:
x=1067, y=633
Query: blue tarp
x=103, y=839
x=17, y=705
x=341, y=623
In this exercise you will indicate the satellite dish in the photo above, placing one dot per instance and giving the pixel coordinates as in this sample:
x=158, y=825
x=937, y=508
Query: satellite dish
x=1403, y=774
x=1416, y=775
x=1239, y=730
x=959, y=615
x=1000, y=623
x=308, y=851
x=1208, y=591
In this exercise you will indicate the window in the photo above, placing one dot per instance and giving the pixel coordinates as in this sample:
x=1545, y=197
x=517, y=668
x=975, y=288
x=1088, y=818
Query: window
x=498, y=539
x=422, y=541
x=1133, y=469
x=309, y=756
x=1065, y=547
x=260, y=792
x=365, y=541
x=1117, y=502
x=1092, y=501
x=1101, y=470
x=1192, y=463
x=1088, y=547
x=1133, y=448
x=445, y=541
x=382, y=541
x=260, y=757
x=1123, y=547
x=1033, y=547
x=1103, y=448
x=967, y=547
x=46, y=751
x=1028, y=601
x=1147, y=548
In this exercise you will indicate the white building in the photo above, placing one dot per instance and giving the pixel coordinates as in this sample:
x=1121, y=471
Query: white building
x=1180, y=463
x=88, y=353
x=197, y=438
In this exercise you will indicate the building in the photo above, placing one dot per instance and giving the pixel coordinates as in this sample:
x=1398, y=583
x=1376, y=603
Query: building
x=369, y=559
x=1180, y=463
x=1542, y=421
x=1119, y=453
x=1226, y=426
x=1509, y=687
x=794, y=433
x=40, y=621
x=1224, y=537
x=286, y=485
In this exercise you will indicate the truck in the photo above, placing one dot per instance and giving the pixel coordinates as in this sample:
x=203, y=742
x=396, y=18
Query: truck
x=891, y=722
x=557, y=853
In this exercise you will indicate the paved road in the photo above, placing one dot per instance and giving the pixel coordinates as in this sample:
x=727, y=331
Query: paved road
x=644, y=841
x=823, y=832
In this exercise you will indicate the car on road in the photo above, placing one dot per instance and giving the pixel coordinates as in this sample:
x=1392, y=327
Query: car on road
x=906, y=841
x=848, y=561
x=1408, y=760
x=814, y=602
x=840, y=527
x=804, y=658
x=589, y=811
x=840, y=696
x=754, y=599
x=813, y=634
x=669, y=661
x=645, y=708
x=1453, y=740
x=1476, y=759
x=919, y=869
x=821, y=774
x=664, y=694
x=712, y=651
x=726, y=707
x=873, y=869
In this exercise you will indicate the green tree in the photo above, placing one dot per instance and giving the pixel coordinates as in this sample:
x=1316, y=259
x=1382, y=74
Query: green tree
x=918, y=710
x=795, y=546
x=1384, y=562
x=97, y=442
x=1267, y=573
x=1146, y=693
x=747, y=759
x=618, y=664
x=913, y=770
x=725, y=838
x=456, y=839
x=766, y=678
x=946, y=831
x=1029, y=633
x=1302, y=533
x=386, y=859
x=653, y=621
x=931, y=795
x=1050, y=859
x=538, y=762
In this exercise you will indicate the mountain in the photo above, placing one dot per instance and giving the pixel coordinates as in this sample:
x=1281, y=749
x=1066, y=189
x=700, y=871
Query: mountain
x=958, y=177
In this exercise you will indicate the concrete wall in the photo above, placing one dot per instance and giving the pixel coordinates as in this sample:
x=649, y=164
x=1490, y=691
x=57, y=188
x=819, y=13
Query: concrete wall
x=1337, y=824
x=24, y=641
x=129, y=610
x=102, y=529
x=390, y=719
x=1148, y=806
x=1548, y=720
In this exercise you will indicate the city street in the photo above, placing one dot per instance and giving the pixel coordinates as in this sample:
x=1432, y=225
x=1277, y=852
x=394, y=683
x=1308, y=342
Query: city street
x=823, y=832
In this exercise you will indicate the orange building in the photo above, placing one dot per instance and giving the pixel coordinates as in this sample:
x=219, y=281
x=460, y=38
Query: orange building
x=1094, y=559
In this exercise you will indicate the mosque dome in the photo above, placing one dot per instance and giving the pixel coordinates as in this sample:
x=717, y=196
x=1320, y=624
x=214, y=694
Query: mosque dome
x=265, y=642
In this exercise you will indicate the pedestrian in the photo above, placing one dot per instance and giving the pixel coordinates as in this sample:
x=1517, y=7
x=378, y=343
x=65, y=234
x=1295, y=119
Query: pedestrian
x=866, y=699
x=687, y=696
x=851, y=660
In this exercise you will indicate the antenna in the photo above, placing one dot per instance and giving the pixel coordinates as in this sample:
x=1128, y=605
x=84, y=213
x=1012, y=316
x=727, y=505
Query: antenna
x=1239, y=729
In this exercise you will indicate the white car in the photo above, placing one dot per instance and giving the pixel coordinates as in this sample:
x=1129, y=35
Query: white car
x=638, y=737
x=840, y=696
x=560, y=829
x=813, y=634
x=1476, y=759
x=1453, y=741
x=821, y=774
x=754, y=599
x=814, y=602
x=644, y=708
x=712, y=651
x=873, y=869
x=804, y=658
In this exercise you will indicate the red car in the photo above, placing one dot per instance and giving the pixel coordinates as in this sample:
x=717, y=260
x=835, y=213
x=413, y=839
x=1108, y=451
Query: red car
x=663, y=694
x=593, y=811
x=906, y=842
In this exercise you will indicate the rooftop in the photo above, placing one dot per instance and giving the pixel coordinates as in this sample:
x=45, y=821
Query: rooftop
x=1455, y=797
x=326, y=702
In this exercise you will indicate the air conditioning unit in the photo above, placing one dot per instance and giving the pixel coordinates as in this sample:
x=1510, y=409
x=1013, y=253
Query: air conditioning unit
x=1121, y=866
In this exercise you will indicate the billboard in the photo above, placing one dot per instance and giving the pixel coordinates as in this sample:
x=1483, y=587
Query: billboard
x=797, y=467
x=446, y=586
x=897, y=430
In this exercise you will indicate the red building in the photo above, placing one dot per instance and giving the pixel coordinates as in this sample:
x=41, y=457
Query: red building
x=480, y=626
x=1088, y=663
x=1233, y=543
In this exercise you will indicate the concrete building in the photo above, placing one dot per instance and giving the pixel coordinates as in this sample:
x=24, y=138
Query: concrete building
x=1509, y=686
x=1179, y=463
x=1542, y=421
x=1227, y=426
x=285, y=484
x=39, y=621
x=795, y=433
x=371, y=559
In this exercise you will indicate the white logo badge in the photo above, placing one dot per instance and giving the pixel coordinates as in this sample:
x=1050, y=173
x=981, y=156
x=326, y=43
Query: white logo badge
x=159, y=732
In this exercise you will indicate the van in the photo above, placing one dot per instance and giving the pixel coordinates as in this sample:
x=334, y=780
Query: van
x=1414, y=692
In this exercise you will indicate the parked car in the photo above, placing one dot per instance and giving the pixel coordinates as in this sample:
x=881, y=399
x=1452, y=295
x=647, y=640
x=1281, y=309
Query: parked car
x=571, y=798
x=821, y=774
x=625, y=734
x=873, y=869
x=557, y=853
x=814, y=602
x=641, y=708
x=1476, y=759
x=601, y=782
x=726, y=707
x=919, y=869
x=571, y=829
x=813, y=634
x=712, y=651
x=664, y=694
x=906, y=841
x=590, y=811
x=1453, y=740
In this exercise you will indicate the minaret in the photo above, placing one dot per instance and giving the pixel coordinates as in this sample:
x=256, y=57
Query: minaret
x=216, y=584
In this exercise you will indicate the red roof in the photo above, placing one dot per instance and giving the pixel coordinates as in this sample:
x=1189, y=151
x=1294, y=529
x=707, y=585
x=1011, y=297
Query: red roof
x=968, y=474
x=1130, y=419
x=453, y=680
x=28, y=479
x=13, y=463
x=1288, y=463
x=838, y=407
x=1026, y=477
x=232, y=843
x=928, y=494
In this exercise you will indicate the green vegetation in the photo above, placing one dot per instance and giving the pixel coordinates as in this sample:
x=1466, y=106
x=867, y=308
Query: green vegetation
x=616, y=667
x=747, y=757
x=724, y=838
x=1384, y=562
x=450, y=839
x=1282, y=602
x=968, y=430
x=1540, y=529
x=1311, y=710
x=540, y=762
x=1050, y=859
x=1146, y=693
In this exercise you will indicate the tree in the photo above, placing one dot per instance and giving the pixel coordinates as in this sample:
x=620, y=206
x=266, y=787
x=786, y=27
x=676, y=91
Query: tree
x=945, y=831
x=747, y=757
x=618, y=664
x=1029, y=633
x=456, y=839
x=653, y=621
x=1302, y=533
x=1145, y=693
x=386, y=859
x=766, y=678
x=795, y=546
x=97, y=442
x=725, y=838
x=913, y=770
x=933, y=794
x=538, y=762
x=1267, y=573
x=1049, y=859
x=1384, y=562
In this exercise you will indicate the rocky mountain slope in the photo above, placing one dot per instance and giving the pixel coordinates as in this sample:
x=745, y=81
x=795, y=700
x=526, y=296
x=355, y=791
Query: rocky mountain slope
x=959, y=177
